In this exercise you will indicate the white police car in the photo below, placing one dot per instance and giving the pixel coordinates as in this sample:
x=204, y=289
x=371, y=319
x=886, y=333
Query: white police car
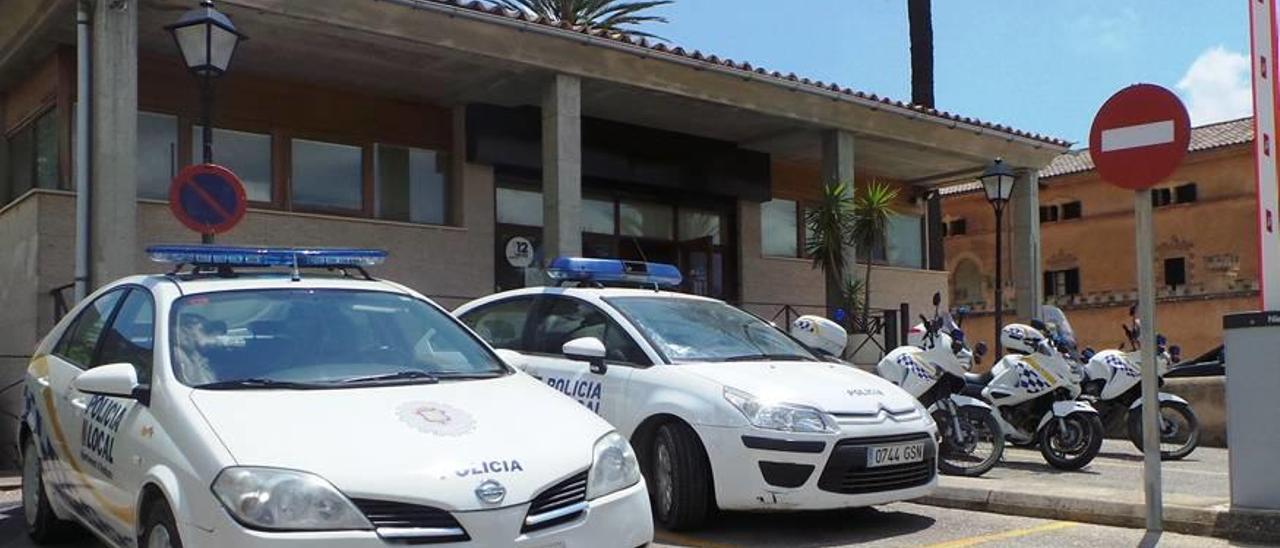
x=724, y=409
x=217, y=406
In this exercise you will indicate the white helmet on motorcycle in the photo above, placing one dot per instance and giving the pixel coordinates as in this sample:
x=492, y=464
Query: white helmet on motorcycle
x=1021, y=338
x=820, y=334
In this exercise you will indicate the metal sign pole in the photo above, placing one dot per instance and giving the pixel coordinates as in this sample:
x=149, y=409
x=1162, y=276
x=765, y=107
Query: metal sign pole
x=1150, y=379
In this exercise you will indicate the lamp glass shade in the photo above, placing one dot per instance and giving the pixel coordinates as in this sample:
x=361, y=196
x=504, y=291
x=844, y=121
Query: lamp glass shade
x=207, y=40
x=997, y=182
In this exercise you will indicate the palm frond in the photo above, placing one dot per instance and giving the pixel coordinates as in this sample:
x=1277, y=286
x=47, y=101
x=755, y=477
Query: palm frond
x=614, y=17
x=829, y=224
x=872, y=209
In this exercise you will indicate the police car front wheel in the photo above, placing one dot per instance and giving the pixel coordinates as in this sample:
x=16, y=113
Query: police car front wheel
x=42, y=524
x=681, y=487
x=159, y=530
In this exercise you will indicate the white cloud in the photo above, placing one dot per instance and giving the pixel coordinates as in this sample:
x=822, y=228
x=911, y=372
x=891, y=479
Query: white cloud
x=1217, y=86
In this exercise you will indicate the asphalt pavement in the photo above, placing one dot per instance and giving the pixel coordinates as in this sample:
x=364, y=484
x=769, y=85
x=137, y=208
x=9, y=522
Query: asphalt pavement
x=902, y=524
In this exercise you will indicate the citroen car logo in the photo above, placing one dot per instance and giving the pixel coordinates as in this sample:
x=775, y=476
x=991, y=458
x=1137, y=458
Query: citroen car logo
x=491, y=492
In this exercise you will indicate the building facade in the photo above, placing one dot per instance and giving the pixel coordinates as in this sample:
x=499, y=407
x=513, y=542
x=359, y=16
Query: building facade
x=461, y=138
x=1205, y=245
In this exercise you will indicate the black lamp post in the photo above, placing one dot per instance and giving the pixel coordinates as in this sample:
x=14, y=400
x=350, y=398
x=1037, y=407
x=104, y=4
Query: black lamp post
x=207, y=40
x=997, y=183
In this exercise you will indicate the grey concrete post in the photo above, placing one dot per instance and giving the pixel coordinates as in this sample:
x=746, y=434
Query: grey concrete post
x=1025, y=258
x=113, y=200
x=562, y=167
x=837, y=167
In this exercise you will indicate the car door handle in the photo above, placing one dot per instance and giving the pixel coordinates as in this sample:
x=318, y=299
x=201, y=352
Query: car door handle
x=80, y=404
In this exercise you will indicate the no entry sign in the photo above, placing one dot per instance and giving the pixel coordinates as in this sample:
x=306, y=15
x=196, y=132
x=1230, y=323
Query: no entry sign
x=207, y=198
x=1139, y=136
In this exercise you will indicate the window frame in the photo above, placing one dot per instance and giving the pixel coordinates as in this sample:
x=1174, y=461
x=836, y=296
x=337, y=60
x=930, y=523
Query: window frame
x=1063, y=291
x=1189, y=187
x=1072, y=210
x=544, y=302
x=366, y=172
x=1165, y=271
x=524, y=328
x=59, y=348
x=187, y=144
x=115, y=314
x=798, y=213
x=448, y=191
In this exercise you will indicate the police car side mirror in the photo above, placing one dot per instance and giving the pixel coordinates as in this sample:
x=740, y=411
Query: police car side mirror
x=118, y=380
x=587, y=349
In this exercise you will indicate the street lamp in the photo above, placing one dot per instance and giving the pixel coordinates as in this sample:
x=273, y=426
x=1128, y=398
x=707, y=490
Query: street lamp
x=207, y=39
x=997, y=183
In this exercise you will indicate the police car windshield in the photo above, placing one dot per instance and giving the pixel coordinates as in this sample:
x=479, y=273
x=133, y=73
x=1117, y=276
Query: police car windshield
x=695, y=330
x=319, y=338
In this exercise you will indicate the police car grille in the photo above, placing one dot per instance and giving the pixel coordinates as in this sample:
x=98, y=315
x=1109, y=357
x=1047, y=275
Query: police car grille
x=560, y=503
x=846, y=470
x=411, y=523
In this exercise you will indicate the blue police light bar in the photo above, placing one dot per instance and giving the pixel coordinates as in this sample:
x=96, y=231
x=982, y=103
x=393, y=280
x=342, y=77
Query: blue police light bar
x=613, y=271
x=212, y=255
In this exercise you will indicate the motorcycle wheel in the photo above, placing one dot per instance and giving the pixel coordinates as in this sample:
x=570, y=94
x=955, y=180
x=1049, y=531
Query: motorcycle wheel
x=1179, y=430
x=1075, y=446
x=974, y=450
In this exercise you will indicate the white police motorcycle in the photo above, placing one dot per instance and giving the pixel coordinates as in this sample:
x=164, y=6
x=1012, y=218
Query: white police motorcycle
x=932, y=368
x=1035, y=388
x=1113, y=383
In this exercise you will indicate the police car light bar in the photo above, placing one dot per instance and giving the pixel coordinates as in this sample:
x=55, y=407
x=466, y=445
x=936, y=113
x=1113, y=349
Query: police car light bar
x=301, y=257
x=565, y=269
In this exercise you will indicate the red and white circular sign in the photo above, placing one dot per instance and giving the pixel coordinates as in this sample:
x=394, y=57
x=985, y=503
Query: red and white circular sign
x=1139, y=136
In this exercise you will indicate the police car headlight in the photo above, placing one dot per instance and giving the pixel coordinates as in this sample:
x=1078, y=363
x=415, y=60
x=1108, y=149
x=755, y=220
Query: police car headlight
x=285, y=500
x=786, y=417
x=613, y=466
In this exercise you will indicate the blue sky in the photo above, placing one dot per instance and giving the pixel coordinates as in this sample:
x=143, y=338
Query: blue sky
x=1037, y=65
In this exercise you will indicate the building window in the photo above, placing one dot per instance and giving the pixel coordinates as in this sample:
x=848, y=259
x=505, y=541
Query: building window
x=646, y=220
x=410, y=184
x=157, y=154
x=1161, y=197
x=1175, y=272
x=1048, y=214
x=1071, y=210
x=779, y=228
x=519, y=207
x=957, y=227
x=697, y=224
x=905, y=241
x=247, y=154
x=327, y=175
x=33, y=157
x=1184, y=194
x=598, y=215
x=1062, y=282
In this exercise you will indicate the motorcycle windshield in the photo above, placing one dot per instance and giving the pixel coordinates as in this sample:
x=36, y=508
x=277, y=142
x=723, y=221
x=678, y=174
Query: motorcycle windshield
x=1058, y=324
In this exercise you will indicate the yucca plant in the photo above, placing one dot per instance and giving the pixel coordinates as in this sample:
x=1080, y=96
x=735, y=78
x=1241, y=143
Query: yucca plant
x=614, y=17
x=872, y=209
x=829, y=224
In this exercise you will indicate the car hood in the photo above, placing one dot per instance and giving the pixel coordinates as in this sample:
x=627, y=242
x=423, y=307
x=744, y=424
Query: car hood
x=425, y=444
x=834, y=388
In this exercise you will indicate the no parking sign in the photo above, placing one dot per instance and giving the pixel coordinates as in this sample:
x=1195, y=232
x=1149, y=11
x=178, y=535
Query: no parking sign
x=207, y=198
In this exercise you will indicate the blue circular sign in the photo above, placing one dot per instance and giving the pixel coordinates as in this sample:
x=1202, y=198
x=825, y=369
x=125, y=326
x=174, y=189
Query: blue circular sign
x=207, y=198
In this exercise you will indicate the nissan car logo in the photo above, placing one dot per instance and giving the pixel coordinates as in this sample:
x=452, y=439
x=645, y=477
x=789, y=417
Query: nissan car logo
x=491, y=492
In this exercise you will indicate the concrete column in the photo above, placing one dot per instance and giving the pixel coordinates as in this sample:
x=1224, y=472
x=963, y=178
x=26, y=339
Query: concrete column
x=837, y=167
x=1025, y=256
x=562, y=167
x=113, y=208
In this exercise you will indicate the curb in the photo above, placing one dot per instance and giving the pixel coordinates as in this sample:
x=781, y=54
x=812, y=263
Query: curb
x=1217, y=521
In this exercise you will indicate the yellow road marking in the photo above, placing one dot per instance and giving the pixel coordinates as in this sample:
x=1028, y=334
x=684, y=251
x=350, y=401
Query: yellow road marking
x=1004, y=535
x=685, y=540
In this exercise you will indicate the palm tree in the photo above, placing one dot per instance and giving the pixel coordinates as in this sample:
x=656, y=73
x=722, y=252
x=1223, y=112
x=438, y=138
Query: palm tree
x=872, y=209
x=611, y=16
x=829, y=225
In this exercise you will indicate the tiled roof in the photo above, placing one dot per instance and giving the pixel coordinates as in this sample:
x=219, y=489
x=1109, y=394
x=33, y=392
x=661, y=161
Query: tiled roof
x=676, y=51
x=1206, y=137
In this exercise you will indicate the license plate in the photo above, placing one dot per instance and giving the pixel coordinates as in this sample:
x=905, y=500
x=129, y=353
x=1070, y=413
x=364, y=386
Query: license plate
x=888, y=455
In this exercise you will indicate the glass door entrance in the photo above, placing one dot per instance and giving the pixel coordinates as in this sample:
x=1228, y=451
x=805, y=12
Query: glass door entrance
x=692, y=236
